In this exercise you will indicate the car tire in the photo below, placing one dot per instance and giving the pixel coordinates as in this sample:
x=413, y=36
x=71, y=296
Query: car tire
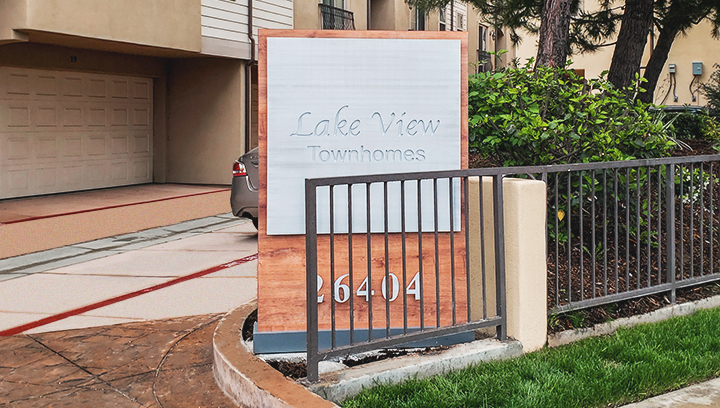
x=255, y=222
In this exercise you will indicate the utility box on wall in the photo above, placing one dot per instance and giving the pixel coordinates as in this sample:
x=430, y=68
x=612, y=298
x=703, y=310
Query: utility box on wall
x=697, y=68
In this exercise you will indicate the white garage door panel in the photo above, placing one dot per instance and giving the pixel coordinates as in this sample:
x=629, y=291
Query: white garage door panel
x=65, y=131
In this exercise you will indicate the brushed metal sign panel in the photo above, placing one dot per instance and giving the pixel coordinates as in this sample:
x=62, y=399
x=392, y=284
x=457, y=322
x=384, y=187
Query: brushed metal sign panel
x=348, y=106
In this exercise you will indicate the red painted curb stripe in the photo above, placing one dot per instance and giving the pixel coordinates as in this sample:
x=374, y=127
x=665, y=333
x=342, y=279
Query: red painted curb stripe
x=107, y=302
x=110, y=207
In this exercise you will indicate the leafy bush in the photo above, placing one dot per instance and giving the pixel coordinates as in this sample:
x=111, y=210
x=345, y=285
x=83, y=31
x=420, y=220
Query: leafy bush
x=551, y=116
x=700, y=125
x=687, y=125
x=711, y=90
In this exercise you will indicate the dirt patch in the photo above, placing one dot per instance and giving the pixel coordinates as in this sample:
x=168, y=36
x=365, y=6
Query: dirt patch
x=699, y=147
x=602, y=314
x=290, y=369
x=249, y=326
x=297, y=370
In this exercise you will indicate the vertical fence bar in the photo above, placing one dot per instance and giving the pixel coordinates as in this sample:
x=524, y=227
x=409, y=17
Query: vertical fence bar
x=311, y=280
x=605, y=252
x=568, y=216
x=404, y=255
x=420, y=255
x=466, y=214
x=499, y=221
x=649, y=222
x=350, y=264
x=386, y=288
x=710, y=216
x=691, y=195
x=452, y=250
x=670, y=226
x=582, y=233
x=368, y=238
x=627, y=229
x=682, y=221
x=616, y=227
x=332, y=267
x=659, y=226
x=557, y=242
x=594, y=222
x=437, y=253
x=482, y=247
x=637, y=231
x=701, y=219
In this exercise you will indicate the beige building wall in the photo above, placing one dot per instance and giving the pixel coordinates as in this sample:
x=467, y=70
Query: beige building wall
x=13, y=13
x=131, y=21
x=306, y=15
x=205, y=119
x=697, y=46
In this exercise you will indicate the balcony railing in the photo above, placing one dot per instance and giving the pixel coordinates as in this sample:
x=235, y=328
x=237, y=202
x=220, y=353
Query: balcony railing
x=334, y=18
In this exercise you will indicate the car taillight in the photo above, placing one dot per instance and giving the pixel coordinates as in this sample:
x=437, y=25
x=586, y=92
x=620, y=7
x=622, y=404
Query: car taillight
x=239, y=169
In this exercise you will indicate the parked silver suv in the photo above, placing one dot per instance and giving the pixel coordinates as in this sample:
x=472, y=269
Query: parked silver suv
x=245, y=184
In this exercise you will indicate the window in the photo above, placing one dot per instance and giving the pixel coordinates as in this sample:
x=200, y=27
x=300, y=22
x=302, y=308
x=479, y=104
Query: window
x=442, y=21
x=335, y=3
x=460, y=22
x=418, y=20
x=484, y=58
x=482, y=40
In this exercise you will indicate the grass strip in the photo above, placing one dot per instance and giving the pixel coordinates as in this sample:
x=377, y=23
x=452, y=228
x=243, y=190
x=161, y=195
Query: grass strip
x=612, y=370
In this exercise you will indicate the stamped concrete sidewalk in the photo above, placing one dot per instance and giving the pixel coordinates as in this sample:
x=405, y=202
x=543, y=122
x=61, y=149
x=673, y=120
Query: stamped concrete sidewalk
x=165, y=363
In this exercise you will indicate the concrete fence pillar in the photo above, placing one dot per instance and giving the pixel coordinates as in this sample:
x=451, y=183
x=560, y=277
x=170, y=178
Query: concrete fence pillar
x=524, y=204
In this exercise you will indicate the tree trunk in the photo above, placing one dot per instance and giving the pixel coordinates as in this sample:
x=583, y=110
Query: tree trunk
x=657, y=62
x=553, y=43
x=631, y=42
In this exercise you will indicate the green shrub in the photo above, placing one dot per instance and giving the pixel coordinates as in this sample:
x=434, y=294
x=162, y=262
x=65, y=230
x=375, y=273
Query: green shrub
x=687, y=125
x=550, y=116
x=701, y=125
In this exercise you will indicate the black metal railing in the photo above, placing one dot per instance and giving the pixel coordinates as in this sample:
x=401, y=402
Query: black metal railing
x=407, y=235
x=622, y=230
x=334, y=18
x=615, y=231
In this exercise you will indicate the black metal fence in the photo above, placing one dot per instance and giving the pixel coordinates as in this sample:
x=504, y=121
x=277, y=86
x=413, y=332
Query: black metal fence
x=406, y=235
x=622, y=230
x=615, y=231
x=334, y=18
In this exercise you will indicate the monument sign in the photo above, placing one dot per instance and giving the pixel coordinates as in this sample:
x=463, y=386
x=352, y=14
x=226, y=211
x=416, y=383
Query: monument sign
x=339, y=103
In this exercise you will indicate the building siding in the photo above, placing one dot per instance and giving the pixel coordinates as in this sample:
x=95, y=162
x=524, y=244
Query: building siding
x=224, y=24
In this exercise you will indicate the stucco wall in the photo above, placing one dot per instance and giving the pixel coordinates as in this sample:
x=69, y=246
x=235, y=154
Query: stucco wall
x=306, y=15
x=12, y=14
x=205, y=120
x=698, y=45
x=171, y=24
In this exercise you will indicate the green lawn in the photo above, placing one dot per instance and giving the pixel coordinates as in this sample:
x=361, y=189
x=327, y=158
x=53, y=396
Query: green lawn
x=628, y=366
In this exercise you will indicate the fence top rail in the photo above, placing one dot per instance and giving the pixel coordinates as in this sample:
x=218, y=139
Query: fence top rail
x=505, y=171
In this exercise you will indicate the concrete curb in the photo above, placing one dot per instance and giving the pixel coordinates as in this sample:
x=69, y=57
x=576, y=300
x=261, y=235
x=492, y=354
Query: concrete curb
x=339, y=385
x=682, y=309
x=248, y=380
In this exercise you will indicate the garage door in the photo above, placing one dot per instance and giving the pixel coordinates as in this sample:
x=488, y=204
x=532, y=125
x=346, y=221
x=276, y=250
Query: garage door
x=66, y=131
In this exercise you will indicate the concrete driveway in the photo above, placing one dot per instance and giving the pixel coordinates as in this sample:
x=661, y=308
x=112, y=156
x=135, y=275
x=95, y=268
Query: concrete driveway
x=199, y=267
